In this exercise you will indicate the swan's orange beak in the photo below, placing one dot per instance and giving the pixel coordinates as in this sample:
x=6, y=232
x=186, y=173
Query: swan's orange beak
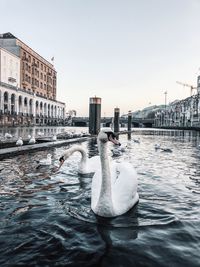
x=114, y=140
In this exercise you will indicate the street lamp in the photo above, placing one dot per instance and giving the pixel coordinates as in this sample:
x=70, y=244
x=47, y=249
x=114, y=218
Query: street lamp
x=165, y=93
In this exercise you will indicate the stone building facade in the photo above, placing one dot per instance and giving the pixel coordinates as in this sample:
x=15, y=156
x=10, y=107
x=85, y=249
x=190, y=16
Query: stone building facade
x=21, y=108
x=37, y=75
x=180, y=113
x=9, y=68
x=27, y=86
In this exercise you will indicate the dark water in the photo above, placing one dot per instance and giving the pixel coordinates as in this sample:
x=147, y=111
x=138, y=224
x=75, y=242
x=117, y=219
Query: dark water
x=46, y=220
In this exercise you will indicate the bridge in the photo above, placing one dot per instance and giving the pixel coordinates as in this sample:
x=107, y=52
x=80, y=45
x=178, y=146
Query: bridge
x=107, y=122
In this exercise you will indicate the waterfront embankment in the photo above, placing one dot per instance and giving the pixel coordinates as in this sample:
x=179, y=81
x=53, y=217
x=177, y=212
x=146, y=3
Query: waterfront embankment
x=13, y=151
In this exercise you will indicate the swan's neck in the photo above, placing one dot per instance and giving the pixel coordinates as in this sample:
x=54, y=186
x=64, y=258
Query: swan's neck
x=83, y=163
x=105, y=206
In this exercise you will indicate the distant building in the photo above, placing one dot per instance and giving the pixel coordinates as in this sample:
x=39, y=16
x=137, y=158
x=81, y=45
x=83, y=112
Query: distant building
x=37, y=75
x=9, y=68
x=180, y=113
x=144, y=113
x=27, y=86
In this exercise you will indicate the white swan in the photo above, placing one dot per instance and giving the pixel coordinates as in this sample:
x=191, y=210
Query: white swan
x=114, y=188
x=86, y=165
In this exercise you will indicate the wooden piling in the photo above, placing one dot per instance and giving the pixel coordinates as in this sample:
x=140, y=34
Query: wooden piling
x=129, y=120
x=94, y=115
x=116, y=120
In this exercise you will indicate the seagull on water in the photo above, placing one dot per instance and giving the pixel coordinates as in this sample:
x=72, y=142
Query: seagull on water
x=8, y=136
x=32, y=140
x=19, y=142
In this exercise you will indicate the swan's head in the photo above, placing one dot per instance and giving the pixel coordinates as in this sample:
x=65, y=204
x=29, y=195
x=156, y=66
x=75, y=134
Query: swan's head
x=68, y=153
x=49, y=156
x=106, y=135
x=62, y=160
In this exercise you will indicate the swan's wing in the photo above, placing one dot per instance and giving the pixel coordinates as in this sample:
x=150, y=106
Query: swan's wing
x=124, y=186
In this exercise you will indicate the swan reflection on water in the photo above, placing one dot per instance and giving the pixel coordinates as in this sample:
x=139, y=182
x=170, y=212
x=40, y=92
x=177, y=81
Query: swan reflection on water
x=119, y=230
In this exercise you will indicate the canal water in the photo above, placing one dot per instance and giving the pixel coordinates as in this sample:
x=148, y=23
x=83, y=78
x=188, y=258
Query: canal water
x=46, y=220
x=36, y=131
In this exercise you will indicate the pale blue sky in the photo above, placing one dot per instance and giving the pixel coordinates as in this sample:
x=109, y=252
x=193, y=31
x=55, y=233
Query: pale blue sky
x=127, y=52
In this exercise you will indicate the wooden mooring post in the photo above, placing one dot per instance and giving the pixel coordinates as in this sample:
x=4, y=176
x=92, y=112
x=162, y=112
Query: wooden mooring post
x=129, y=120
x=94, y=115
x=116, y=120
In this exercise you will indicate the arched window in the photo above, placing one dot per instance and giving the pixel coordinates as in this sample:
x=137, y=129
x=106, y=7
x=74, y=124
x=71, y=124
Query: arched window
x=6, y=97
x=5, y=102
x=12, y=103
x=41, y=108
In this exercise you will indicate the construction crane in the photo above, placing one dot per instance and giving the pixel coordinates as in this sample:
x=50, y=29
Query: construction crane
x=188, y=85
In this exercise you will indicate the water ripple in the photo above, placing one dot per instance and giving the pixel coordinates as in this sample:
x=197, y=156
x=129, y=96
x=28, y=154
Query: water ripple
x=46, y=218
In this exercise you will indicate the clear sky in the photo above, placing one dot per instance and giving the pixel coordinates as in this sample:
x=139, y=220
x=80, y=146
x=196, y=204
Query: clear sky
x=128, y=52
